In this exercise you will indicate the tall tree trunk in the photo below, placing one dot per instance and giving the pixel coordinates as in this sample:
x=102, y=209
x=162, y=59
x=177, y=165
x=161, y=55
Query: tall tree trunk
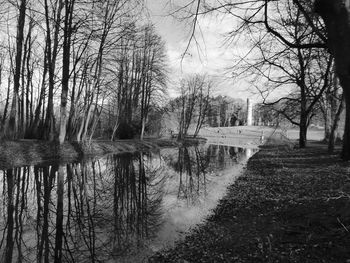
x=49, y=126
x=69, y=7
x=335, y=14
x=302, y=130
x=21, y=112
x=13, y=121
x=332, y=136
x=29, y=76
x=95, y=121
x=70, y=126
x=346, y=137
x=303, y=123
x=143, y=126
x=7, y=102
x=35, y=124
x=327, y=121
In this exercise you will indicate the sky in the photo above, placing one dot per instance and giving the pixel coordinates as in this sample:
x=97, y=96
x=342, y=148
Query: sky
x=211, y=56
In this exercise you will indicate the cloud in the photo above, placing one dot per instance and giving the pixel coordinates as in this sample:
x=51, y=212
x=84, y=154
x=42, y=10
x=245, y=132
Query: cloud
x=209, y=55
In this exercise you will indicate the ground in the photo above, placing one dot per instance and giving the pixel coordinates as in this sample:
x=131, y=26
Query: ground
x=290, y=205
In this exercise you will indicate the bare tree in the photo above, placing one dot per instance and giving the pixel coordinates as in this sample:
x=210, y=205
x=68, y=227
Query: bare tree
x=69, y=9
x=154, y=80
x=203, y=104
x=332, y=30
x=14, y=114
x=74, y=60
x=335, y=15
x=193, y=103
x=140, y=80
x=306, y=71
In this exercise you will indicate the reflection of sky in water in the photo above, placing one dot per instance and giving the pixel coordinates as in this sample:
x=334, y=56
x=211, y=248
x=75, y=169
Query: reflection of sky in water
x=116, y=208
x=180, y=215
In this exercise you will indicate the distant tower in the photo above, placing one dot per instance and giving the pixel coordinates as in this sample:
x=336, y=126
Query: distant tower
x=249, y=113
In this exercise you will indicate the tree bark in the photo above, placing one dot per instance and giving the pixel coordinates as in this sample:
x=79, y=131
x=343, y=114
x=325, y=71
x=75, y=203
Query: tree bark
x=13, y=121
x=69, y=7
x=327, y=122
x=7, y=102
x=303, y=118
x=29, y=78
x=335, y=14
x=346, y=137
x=302, y=131
x=35, y=124
x=332, y=136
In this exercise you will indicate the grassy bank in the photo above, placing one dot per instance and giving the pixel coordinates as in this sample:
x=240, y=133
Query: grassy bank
x=25, y=152
x=290, y=205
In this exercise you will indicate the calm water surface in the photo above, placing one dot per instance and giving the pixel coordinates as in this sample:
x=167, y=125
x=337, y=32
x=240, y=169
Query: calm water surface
x=118, y=208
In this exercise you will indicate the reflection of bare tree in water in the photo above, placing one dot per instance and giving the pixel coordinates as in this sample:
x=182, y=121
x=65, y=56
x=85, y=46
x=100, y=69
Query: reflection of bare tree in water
x=10, y=210
x=80, y=239
x=81, y=212
x=136, y=207
x=222, y=156
x=19, y=185
x=59, y=214
x=96, y=210
x=191, y=167
x=44, y=177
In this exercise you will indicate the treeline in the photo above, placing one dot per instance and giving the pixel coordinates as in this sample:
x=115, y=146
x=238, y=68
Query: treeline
x=296, y=76
x=70, y=68
x=225, y=111
x=328, y=113
x=195, y=107
x=297, y=51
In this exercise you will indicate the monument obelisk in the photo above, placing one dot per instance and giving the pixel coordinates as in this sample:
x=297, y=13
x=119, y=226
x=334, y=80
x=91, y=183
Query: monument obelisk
x=249, y=112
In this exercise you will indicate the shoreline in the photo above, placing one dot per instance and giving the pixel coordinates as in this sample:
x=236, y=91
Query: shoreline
x=29, y=152
x=289, y=205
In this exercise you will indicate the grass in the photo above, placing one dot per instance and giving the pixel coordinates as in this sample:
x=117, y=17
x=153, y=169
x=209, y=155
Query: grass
x=290, y=205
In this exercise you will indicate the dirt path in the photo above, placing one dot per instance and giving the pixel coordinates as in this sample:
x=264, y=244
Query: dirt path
x=290, y=205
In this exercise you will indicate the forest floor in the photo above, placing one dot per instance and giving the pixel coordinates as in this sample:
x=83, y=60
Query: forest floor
x=289, y=205
x=28, y=152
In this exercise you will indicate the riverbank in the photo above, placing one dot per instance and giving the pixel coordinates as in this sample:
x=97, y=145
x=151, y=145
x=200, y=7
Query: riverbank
x=25, y=152
x=290, y=205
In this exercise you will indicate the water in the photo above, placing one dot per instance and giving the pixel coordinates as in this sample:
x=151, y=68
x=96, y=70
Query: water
x=118, y=208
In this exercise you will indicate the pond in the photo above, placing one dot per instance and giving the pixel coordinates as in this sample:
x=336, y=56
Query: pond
x=115, y=208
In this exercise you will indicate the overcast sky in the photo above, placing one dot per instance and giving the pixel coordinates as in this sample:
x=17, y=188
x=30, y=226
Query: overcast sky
x=211, y=57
